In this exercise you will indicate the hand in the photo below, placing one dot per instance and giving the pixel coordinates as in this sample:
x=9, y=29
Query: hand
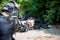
x=6, y=14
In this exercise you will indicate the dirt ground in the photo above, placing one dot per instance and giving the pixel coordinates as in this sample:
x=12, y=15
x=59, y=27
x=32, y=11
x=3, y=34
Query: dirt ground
x=42, y=34
x=47, y=38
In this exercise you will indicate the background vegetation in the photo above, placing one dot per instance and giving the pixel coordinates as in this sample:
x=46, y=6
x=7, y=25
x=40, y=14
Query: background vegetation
x=48, y=10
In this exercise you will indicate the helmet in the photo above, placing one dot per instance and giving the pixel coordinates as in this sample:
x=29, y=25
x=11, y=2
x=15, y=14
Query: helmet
x=11, y=4
x=10, y=7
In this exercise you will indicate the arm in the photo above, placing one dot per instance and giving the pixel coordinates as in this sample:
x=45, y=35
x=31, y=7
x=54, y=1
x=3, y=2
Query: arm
x=5, y=13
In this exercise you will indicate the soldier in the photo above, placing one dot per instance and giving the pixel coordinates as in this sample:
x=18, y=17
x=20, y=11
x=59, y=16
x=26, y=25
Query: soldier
x=6, y=31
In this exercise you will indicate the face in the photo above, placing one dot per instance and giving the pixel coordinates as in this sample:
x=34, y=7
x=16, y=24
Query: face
x=6, y=14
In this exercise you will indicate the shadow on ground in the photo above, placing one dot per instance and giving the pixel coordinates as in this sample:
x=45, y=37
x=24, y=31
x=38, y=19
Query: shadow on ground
x=53, y=31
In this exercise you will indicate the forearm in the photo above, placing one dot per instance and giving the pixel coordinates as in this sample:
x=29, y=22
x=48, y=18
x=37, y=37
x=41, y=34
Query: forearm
x=6, y=14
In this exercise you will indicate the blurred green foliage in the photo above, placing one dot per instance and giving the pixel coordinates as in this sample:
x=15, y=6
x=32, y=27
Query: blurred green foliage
x=49, y=10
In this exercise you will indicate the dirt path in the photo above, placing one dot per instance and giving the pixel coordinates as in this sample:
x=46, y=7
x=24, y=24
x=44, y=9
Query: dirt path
x=43, y=34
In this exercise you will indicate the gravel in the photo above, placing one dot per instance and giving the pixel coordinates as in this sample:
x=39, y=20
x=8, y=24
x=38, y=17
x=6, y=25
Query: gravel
x=42, y=34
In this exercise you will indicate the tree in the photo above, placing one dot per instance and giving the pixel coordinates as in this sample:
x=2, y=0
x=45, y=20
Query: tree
x=49, y=10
